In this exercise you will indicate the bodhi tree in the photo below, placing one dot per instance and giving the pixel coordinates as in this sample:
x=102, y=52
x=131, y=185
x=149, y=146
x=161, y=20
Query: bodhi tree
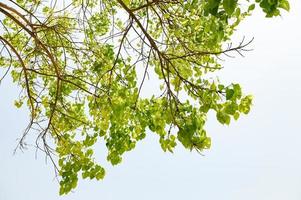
x=82, y=66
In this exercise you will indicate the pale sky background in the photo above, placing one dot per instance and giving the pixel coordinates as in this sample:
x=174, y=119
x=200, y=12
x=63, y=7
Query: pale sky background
x=256, y=158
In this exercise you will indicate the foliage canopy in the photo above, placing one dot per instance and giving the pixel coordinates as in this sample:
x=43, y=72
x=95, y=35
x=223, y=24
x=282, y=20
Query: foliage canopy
x=82, y=65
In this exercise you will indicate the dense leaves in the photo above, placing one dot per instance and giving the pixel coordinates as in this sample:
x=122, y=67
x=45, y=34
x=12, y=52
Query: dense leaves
x=82, y=66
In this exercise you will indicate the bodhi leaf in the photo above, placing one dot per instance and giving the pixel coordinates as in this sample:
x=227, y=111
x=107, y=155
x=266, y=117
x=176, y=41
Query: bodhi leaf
x=285, y=5
x=82, y=70
x=212, y=6
x=229, y=6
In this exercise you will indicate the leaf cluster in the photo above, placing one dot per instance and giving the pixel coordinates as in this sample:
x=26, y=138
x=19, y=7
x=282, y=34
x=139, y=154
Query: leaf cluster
x=82, y=66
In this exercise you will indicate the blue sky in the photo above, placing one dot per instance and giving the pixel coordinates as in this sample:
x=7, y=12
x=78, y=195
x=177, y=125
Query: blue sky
x=256, y=157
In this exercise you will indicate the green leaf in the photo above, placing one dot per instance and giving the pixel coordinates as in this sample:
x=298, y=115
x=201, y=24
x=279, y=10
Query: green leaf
x=223, y=118
x=212, y=6
x=284, y=4
x=207, y=143
x=251, y=7
x=231, y=108
x=236, y=115
x=237, y=91
x=99, y=176
x=229, y=6
x=18, y=103
x=62, y=191
x=229, y=93
x=127, y=2
x=85, y=174
x=74, y=184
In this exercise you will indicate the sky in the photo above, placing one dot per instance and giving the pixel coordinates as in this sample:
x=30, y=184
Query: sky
x=256, y=157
